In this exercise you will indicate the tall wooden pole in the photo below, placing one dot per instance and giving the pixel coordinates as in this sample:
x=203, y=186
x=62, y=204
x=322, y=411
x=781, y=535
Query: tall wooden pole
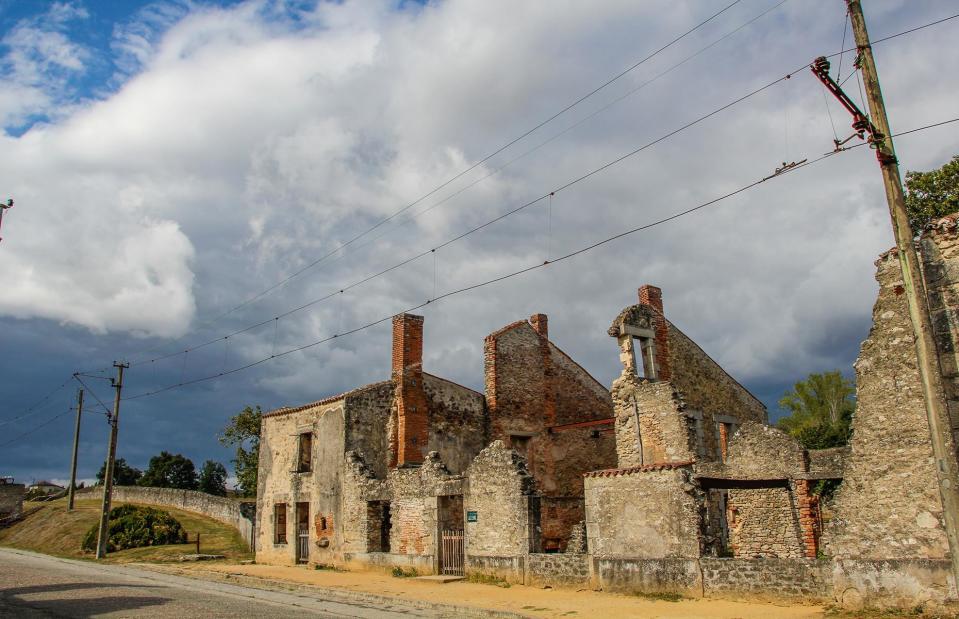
x=930, y=373
x=104, y=534
x=76, y=443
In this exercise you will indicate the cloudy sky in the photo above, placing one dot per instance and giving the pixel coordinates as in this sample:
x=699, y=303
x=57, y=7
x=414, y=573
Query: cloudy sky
x=170, y=161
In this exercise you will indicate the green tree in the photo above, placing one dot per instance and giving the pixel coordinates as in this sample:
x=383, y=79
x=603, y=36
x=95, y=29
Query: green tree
x=213, y=478
x=820, y=410
x=243, y=432
x=123, y=474
x=167, y=470
x=932, y=194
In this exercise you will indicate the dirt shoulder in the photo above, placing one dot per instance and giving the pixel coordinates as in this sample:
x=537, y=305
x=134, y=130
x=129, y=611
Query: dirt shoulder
x=519, y=599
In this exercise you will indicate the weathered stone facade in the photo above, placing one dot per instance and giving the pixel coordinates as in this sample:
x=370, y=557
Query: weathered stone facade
x=11, y=498
x=888, y=504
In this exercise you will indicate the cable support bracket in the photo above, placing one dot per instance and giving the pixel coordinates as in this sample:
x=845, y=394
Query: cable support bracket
x=861, y=125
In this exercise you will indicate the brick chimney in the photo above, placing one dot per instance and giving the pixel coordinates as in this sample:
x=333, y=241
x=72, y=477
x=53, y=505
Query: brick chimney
x=653, y=297
x=412, y=420
x=540, y=324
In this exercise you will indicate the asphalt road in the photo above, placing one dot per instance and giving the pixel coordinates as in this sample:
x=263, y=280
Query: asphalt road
x=34, y=586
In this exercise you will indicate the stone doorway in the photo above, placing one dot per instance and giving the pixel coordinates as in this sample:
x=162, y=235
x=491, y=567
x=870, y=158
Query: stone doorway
x=302, y=532
x=450, y=535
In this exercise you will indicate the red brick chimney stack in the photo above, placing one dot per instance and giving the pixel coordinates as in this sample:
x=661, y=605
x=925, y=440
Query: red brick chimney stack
x=540, y=324
x=412, y=414
x=653, y=297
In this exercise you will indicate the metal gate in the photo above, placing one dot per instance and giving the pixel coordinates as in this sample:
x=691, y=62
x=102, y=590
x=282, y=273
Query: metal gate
x=303, y=543
x=451, y=554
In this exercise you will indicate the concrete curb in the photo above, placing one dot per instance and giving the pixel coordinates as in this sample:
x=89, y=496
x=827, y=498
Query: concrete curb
x=335, y=595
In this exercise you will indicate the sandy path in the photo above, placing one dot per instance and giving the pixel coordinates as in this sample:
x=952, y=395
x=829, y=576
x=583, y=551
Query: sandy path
x=530, y=601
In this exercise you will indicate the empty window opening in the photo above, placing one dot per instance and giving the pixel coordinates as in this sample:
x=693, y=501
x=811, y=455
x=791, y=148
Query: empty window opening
x=644, y=357
x=378, y=526
x=305, y=453
x=323, y=526
x=279, y=523
x=520, y=444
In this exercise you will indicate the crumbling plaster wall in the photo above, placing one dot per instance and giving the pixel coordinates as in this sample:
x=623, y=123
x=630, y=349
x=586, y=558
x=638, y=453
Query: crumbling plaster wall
x=650, y=512
x=279, y=482
x=888, y=504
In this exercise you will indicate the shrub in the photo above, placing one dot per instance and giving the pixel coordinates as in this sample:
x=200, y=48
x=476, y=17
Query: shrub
x=134, y=526
x=399, y=572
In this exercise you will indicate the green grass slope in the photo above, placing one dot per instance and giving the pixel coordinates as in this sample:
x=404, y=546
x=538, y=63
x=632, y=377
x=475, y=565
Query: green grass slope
x=55, y=531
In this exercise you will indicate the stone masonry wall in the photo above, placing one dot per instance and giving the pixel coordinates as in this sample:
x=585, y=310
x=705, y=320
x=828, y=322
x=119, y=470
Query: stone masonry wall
x=662, y=435
x=457, y=422
x=940, y=267
x=763, y=522
x=767, y=578
x=888, y=504
x=499, y=492
x=531, y=385
x=11, y=499
x=646, y=512
x=221, y=509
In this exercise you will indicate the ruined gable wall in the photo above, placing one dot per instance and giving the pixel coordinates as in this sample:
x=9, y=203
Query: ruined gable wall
x=457, y=422
x=278, y=481
x=367, y=416
x=707, y=388
x=532, y=385
x=652, y=512
x=888, y=504
x=662, y=425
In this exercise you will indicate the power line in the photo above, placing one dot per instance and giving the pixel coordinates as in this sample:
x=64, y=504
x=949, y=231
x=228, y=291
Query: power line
x=30, y=410
x=534, y=267
x=90, y=391
x=482, y=226
x=506, y=214
x=470, y=168
x=42, y=425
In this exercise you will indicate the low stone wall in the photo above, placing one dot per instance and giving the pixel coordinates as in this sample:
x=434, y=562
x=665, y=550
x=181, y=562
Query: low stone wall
x=901, y=583
x=556, y=569
x=222, y=509
x=682, y=576
x=767, y=578
x=510, y=569
x=423, y=564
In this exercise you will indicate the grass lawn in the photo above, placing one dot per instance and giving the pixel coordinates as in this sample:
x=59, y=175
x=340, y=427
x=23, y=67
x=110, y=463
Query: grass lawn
x=55, y=531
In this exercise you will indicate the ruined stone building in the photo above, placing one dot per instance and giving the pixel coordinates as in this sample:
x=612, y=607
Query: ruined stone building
x=378, y=474
x=672, y=480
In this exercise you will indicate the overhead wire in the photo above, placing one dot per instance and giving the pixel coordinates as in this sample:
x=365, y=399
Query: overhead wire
x=470, y=168
x=509, y=213
x=528, y=269
x=31, y=409
x=484, y=225
x=36, y=428
x=91, y=392
x=843, y=51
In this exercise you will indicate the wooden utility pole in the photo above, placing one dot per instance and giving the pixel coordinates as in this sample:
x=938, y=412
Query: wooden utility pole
x=104, y=535
x=930, y=373
x=76, y=443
